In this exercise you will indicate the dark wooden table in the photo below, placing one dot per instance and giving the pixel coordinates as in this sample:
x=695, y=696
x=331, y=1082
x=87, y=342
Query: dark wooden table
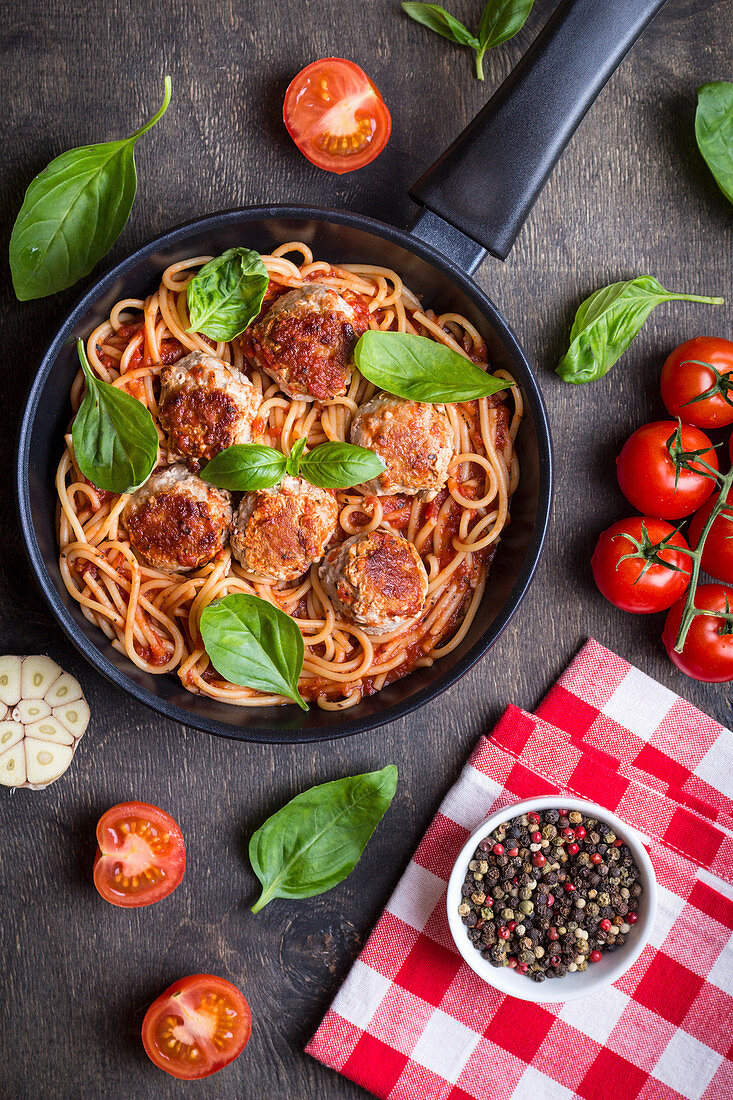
x=631, y=195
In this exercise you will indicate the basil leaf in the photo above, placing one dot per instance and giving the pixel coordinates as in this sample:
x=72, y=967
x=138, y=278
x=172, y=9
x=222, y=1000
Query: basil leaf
x=226, y=294
x=293, y=461
x=500, y=21
x=252, y=643
x=73, y=212
x=607, y=322
x=114, y=436
x=340, y=465
x=420, y=369
x=317, y=838
x=714, y=131
x=244, y=467
x=437, y=19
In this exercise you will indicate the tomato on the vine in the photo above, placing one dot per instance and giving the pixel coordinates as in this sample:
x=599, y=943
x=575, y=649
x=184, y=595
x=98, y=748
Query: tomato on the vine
x=708, y=650
x=717, y=553
x=649, y=478
x=336, y=116
x=141, y=855
x=640, y=565
x=697, y=382
x=197, y=1026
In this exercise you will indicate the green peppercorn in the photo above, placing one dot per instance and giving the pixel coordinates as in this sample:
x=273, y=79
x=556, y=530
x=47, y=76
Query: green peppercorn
x=526, y=907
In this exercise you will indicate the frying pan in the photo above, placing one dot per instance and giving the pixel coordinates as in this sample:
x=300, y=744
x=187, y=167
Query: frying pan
x=474, y=200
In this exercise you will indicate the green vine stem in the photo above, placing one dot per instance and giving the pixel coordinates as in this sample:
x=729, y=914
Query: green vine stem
x=725, y=482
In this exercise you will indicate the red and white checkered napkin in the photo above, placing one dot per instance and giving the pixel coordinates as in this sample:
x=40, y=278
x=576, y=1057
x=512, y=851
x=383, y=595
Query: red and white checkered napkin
x=413, y=1022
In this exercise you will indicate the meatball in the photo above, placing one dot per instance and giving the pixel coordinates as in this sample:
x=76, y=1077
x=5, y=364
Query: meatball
x=176, y=522
x=278, y=533
x=305, y=342
x=414, y=440
x=205, y=405
x=375, y=580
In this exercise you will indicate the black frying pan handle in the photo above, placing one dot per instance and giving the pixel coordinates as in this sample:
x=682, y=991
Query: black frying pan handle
x=487, y=182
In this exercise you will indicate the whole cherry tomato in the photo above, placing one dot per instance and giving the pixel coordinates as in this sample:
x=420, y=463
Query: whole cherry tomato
x=717, y=554
x=336, y=116
x=708, y=650
x=647, y=474
x=197, y=1026
x=697, y=382
x=141, y=855
x=637, y=567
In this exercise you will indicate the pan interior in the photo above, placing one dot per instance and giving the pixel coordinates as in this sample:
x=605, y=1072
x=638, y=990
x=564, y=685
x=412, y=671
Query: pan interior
x=338, y=238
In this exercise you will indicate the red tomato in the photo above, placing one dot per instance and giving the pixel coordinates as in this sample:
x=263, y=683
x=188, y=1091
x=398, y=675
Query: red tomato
x=336, y=116
x=140, y=857
x=641, y=584
x=717, y=555
x=198, y=1026
x=700, y=366
x=708, y=650
x=646, y=472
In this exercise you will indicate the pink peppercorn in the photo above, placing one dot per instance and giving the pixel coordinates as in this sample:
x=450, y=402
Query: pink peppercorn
x=512, y=851
x=538, y=859
x=503, y=933
x=533, y=816
x=573, y=848
x=569, y=834
x=522, y=968
x=550, y=899
x=553, y=934
x=512, y=962
x=536, y=838
x=595, y=956
x=596, y=858
x=605, y=925
x=498, y=849
x=579, y=832
x=511, y=925
x=569, y=888
x=555, y=960
x=632, y=918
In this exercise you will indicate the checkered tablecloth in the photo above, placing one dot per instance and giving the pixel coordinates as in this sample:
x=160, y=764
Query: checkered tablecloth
x=413, y=1022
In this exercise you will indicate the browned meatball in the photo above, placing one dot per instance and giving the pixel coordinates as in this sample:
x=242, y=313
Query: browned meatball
x=278, y=533
x=176, y=522
x=375, y=580
x=414, y=440
x=306, y=341
x=205, y=405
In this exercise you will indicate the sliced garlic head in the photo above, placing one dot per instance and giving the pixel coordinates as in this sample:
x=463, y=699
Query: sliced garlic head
x=43, y=714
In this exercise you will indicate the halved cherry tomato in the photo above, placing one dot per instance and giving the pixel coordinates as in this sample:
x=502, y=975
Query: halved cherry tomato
x=140, y=857
x=198, y=1026
x=646, y=471
x=697, y=382
x=336, y=116
x=628, y=565
x=717, y=554
x=708, y=650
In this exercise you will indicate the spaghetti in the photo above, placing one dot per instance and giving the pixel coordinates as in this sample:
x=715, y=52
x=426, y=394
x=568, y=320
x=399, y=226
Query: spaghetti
x=153, y=616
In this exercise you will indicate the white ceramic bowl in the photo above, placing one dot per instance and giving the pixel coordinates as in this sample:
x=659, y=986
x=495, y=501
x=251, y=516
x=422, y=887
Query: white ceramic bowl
x=580, y=984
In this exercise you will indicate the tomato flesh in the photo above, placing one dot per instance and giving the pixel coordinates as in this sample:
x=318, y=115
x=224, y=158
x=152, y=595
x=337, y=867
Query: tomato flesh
x=141, y=855
x=336, y=116
x=647, y=476
x=707, y=654
x=625, y=581
x=687, y=374
x=197, y=1026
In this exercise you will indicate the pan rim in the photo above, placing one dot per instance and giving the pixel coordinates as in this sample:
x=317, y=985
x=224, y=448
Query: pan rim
x=347, y=727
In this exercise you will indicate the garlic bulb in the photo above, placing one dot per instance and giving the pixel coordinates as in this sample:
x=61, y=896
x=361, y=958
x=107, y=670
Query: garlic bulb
x=43, y=714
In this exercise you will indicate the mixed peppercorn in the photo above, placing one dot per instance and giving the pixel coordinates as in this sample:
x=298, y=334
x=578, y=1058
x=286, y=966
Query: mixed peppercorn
x=549, y=892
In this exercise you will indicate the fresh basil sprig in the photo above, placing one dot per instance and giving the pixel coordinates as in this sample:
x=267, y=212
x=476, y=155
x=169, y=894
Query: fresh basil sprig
x=114, y=435
x=254, y=644
x=420, y=369
x=607, y=322
x=714, y=131
x=227, y=293
x=500, y=20
x=73, y=212
x=317, y=838
x=245, y=467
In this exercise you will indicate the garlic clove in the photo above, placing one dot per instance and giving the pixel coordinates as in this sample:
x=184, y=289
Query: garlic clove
x=37, y=675
x=63, y=690
x=74, y=715
x=12, y=766
x=10, y=680
x=50, y=729
x=30, y=710
x=44, y=761
x=10, y=734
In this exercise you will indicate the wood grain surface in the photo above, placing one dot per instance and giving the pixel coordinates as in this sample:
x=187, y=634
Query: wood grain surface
x=630, y=196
